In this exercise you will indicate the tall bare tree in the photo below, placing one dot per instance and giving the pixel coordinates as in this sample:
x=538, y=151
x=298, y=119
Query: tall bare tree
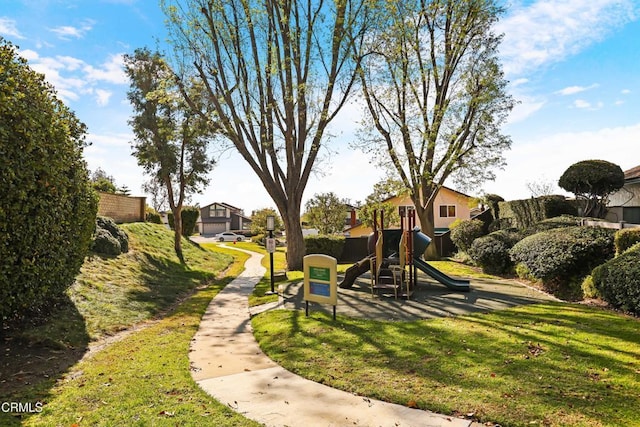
x=435, y=94
x=276, y=73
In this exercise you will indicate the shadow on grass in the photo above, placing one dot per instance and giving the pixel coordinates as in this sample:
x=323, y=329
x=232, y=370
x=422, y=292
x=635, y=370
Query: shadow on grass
x=523, y=364
x=34, y=357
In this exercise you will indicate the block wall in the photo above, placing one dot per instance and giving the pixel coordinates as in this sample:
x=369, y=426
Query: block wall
x=121, y=208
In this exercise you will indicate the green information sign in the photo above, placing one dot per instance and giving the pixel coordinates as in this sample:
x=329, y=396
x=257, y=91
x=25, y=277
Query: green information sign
x=319, y=273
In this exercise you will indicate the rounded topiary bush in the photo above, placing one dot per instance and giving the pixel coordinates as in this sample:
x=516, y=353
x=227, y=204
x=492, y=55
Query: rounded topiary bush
x=47, y=208
x=626, y=238
x=491, y=252
x=618, y=280
x=560, y=258
x=463, y=234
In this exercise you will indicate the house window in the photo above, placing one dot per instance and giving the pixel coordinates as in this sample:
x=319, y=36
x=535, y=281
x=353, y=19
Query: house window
x=447, y=211
x=217, y=212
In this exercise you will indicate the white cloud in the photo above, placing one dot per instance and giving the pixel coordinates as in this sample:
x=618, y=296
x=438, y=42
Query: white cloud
x=111, y=71
x=548, y=31
x=625, y=91
x=550, y=156
x=67, y=32
x=526, y=107
x=102, y=97
x=571, y=90
x=581, y=103
x=9, y=28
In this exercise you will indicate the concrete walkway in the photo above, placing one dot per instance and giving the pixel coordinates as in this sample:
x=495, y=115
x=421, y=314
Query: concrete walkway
x=228, y=364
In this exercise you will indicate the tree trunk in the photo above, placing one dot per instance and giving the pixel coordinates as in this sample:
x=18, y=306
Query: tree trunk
x=426, y=218
x=295, y=240
x=177, y=232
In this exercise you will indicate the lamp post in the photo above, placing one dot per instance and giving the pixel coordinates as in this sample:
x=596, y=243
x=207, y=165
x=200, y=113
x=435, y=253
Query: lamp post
x=271, y=245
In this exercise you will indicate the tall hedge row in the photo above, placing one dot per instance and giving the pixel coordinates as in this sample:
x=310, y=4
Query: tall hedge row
x=48, y=208
x=523, y=214
x=323, y=244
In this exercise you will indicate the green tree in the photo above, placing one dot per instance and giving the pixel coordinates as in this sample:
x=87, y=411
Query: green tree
x=47, y=208
x=592, y=181
x=436, y=96
x=101, y=181
x=377, y=201
x=326, y=212
x=276, y=73
x=259, y=220
x=170, y=137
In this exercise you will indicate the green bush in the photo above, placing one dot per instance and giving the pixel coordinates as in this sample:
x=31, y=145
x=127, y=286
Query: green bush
x=626, y=238
x=525, y=213
x=551, y=223
x=589, y=290
x=107, y=231
x=560, y=258
x=189, y=219
x=491, y=252
x=104, y=243
x=47, y=205
x=618, y=280
x=466, y=232
x=327, y=245
x=115, y=231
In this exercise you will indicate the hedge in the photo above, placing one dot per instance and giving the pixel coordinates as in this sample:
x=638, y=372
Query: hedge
x=618, y=280
x=551, y=223
x=323, y=244
x=523, y=214
x=560, y=258
x=47, y=208
x=626, y=238
x=189, y=219
x=109, y=239
x=491, y=252
x=465, y=232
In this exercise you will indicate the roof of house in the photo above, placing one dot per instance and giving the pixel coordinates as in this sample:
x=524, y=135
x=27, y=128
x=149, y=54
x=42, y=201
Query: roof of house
x=632, y=173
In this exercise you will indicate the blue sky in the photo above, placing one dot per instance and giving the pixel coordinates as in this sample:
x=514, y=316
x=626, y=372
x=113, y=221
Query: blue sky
x=574, y=68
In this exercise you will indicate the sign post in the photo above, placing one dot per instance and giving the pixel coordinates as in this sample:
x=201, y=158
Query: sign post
x=320, y=281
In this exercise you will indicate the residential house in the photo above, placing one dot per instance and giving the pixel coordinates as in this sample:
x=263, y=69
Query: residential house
x=220, y=217
x=448, y=206
x=624, y=205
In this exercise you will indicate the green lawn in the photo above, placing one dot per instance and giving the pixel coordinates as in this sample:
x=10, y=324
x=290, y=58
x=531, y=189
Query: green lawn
x=145, y=378
x=545, y=364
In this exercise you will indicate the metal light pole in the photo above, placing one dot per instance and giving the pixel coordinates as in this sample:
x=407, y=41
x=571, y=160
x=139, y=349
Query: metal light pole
x=271, y=245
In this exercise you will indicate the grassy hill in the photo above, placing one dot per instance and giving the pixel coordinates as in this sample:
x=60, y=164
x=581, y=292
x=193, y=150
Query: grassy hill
x=112, y=294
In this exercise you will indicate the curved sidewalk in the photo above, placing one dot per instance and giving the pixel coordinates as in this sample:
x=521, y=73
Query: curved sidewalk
x=227, y=363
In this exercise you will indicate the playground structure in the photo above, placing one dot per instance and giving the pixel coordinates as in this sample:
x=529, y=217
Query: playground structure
x=395, y=256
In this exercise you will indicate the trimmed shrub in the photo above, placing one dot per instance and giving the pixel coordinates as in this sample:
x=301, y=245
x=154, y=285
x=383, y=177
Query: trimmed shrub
x=47, y=205
x=618, y=280
x=189, y=219
x=491, y=252
x=626, y=238
x=525, y=213
x=322, y=244
x=551, y=223
x=104, y=243
x=463, y=234
x=560, y=258
x=152, y=216
x=104, y=223
x=589, y=289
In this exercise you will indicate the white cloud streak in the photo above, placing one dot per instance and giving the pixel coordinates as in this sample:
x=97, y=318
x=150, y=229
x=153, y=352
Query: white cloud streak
x=9, y=28
x=548, y=31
